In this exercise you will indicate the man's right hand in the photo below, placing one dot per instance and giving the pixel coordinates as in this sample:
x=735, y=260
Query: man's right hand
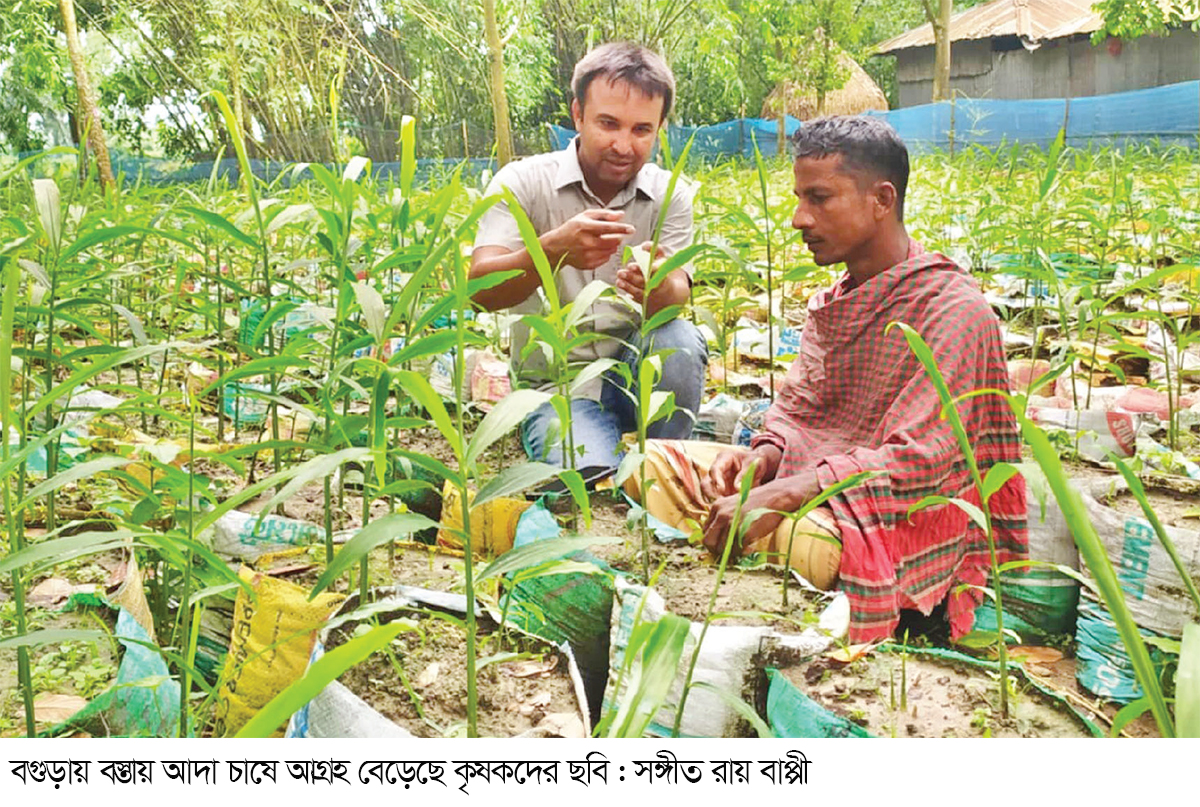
x=588, y=240
x=724, y=476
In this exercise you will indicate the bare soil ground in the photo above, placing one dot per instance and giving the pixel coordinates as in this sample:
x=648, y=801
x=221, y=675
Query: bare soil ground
x=420, y=684
x=942, y=699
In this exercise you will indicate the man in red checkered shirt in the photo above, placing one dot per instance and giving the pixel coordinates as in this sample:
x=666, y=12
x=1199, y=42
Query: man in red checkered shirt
x=857, y=400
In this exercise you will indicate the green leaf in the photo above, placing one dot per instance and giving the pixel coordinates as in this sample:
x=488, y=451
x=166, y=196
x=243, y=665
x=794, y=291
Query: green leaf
x=579, y=307
x=662, y=405
x=557, y=567
x=514, y=480
x=49, y=210
x=629, y=465
x=1129, y=713
x=514, y=560
x=112, y=360
x=435, y=344
x=424, y=394
x=1187, y=684
x=219, y=222
x=530, y=238
x=675, y=260
x=108, y=234
x=996, y=478
x=408, y=153
x=379, y=436
x=661, y=317
x=324, y=670
x=652, y=657
x=574, y=482
x=743, y=709
x=288, y=215
x=1139, y=493
x=979, y=639
x=592, y=370
x=971, y=510
x=380, y=531
x=502, y=419
x=91, y=542
x=371, y=303
x=1092, y=552
x=41, y=637
x=317, y=468
x=76, y=472
x=274, y=314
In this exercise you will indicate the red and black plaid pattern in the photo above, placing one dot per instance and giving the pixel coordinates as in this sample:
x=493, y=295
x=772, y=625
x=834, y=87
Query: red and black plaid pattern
x=856, y=399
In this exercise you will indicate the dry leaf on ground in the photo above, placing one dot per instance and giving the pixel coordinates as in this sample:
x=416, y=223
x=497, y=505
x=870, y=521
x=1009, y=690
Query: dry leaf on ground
x=428, y=676
x=48, y=593
x=528, y=669
x=49, y=708
x=563, y=724
x=1037, y=655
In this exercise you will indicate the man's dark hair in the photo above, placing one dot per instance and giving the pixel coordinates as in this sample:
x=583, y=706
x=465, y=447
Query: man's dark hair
x=868, y=146
x=629, y=62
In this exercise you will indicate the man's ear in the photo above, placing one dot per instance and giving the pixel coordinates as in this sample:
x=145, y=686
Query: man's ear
x=576, y=113
x=885, y=200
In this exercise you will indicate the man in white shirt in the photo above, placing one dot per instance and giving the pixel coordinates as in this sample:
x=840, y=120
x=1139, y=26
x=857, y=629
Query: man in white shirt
x=586, y=203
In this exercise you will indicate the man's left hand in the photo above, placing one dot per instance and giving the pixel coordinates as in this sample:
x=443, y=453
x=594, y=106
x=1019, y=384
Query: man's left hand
x=630, y=278
x=720, y=521
x=785, y=495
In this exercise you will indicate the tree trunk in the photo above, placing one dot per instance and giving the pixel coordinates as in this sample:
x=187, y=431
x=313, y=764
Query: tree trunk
x=87, y=98
x=826, y=71
x=234, y=65
x=941, y=57
x=784, y=90
x=504, y=143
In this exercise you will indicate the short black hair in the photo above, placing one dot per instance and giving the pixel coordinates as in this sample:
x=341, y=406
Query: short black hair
x=866, y=145
x=629, y=62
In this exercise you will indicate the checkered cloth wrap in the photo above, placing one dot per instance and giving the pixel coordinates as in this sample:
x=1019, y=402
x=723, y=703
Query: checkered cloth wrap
x=856, y=399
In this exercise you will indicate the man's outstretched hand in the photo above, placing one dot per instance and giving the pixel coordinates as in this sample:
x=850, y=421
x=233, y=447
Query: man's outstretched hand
x=780, y=495
x=588, y=240
x=720, y=521
x=725, y=474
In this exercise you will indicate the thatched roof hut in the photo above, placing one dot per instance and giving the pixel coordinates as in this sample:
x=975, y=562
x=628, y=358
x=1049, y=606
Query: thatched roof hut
x=857, y=95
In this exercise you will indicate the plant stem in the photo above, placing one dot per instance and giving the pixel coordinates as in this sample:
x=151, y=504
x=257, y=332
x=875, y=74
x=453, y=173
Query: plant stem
x=734, y=536
x=460, y=286
x=15, y=520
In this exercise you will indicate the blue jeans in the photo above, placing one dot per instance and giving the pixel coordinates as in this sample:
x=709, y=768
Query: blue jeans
x=598, y=425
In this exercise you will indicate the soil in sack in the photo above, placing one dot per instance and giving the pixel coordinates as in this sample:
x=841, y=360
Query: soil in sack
x=420, y=681
x=750, y=594
x=944, y=698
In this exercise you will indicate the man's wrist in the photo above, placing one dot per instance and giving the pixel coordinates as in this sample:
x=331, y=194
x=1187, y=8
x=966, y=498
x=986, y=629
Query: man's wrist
x=790, y=493
x=552, y=248
x=770, y=456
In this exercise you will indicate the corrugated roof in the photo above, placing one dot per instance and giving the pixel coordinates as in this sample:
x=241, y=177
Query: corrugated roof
x=1031, y=20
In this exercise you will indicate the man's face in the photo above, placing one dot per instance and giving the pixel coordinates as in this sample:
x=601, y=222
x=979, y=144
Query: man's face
x=617, y=126
x=838, y=218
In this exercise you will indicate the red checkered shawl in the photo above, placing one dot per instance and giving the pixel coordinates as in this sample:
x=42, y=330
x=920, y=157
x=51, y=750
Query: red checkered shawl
x=856, y=399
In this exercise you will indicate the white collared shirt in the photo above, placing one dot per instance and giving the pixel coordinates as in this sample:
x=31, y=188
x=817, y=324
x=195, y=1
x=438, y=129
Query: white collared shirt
x=551, y=189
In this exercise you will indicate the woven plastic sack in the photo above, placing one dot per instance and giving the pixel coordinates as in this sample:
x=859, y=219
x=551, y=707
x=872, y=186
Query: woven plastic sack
x=1039, y=601
x=273, y=634
x=493, y=525
x=1153, y=591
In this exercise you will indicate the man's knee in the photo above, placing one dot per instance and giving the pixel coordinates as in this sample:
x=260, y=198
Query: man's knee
x=680, y=335
x=687, y=361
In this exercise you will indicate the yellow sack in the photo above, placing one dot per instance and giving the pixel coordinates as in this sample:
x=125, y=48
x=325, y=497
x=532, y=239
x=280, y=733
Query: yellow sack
x=493, y=526
x=272, y=638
